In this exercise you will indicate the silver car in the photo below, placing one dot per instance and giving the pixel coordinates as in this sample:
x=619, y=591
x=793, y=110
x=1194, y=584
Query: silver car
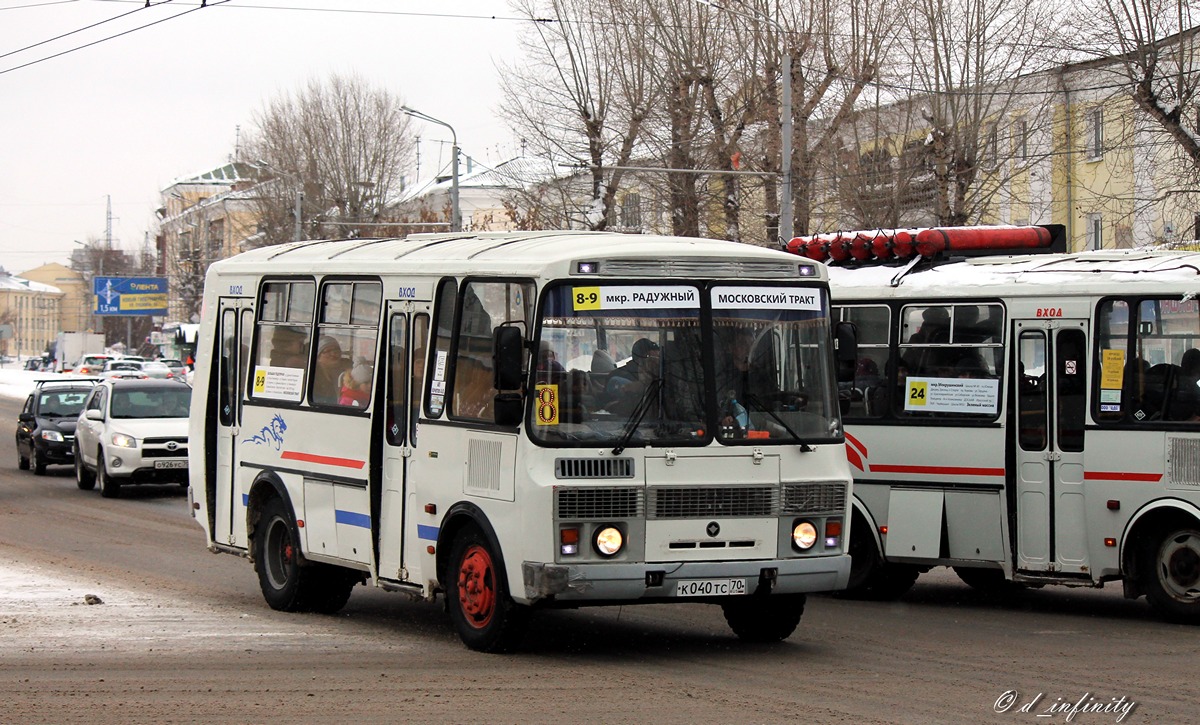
x=157, y=370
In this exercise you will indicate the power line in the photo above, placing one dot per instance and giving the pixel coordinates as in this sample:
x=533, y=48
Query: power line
x=38, y=5
x=111, y=37
x=86, y=27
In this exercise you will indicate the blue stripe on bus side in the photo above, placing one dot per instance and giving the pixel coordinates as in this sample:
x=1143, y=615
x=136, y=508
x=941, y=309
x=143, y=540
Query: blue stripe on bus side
x=429, y=533
x=351, y=518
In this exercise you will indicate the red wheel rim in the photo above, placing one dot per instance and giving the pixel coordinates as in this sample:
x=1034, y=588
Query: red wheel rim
x=476, y=587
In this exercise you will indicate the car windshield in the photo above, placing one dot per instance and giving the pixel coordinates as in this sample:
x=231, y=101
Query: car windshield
x=61, y=404
x=165, y=402
x=626, y=365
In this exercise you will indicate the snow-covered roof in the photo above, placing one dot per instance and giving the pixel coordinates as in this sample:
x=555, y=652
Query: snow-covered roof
x=9, y=282
x=226, y=175
x=516, y=173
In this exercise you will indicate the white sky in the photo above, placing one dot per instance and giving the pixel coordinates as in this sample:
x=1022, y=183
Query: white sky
x=129, y=115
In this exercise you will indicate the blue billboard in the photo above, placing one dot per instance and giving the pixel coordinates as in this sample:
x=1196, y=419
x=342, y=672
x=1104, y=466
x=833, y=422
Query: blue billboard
x=130, y=295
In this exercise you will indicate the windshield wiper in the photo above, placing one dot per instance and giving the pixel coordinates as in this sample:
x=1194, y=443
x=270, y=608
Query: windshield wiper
x=639, y=412
x=756, y=403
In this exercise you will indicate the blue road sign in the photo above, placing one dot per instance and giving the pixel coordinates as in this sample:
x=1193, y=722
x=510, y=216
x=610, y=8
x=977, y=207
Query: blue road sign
x=130, y=295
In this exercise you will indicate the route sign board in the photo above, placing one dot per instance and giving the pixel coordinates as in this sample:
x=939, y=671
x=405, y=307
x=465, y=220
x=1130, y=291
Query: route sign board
x=130, y=295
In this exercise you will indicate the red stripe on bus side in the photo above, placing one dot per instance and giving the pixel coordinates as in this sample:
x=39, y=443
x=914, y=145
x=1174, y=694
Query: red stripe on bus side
x=938, y=470
x=326, y=460
x=1121, y=476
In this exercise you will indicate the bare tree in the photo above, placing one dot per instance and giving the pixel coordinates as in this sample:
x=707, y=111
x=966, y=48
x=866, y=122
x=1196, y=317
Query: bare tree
x=966, y=58
x=582, y=95
x=342, y=145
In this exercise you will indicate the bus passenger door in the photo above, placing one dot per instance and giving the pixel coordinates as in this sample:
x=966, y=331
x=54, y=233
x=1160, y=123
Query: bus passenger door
x=1050, y=416
x=406, y=334
x=235, y=331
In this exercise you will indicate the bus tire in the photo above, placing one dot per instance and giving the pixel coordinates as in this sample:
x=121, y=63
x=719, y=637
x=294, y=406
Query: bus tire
x=330, y=588
x=286, y=583
x=1170, y=573
x=871, y=577
x=84, y=478
x=988, y=581
x=770, y=618
x=486, y=617
x=109, y=486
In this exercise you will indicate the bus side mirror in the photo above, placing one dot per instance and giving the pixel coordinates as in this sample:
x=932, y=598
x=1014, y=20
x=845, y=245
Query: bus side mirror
x=508, y=352
x=508, y=409
x=845, y=349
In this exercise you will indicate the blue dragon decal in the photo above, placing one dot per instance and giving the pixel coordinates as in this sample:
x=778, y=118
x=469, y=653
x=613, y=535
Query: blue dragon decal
x=270, y=434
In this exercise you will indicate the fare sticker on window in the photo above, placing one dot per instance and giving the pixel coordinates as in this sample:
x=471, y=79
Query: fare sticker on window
x=276, y=383
x=634, y=298
x=952, y=395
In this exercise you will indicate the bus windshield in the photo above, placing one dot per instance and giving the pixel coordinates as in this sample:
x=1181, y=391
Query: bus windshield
x=652, y=365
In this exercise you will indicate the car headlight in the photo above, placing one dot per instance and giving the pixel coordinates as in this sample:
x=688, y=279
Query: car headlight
x=608, y=541
x=122, y=440
x=804, y=535
x=52, y=435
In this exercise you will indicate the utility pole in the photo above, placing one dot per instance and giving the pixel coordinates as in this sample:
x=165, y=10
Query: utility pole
x=455, y=210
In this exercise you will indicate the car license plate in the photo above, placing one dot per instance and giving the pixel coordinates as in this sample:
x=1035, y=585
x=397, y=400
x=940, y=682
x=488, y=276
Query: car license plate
x=170, y=464
x=710, y=587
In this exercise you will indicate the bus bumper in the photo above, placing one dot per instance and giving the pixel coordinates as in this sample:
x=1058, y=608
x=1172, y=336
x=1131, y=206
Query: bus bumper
x=660, y=581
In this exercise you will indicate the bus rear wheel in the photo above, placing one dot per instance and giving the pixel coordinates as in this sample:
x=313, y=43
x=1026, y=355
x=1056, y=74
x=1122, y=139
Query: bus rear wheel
x=988, y=581
x=486, y=617
x=1170, y=574
x=770, y=618
x=287, y=583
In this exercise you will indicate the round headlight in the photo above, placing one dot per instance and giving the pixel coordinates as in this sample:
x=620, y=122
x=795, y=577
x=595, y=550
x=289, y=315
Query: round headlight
x=804, y=535
x=608, y=541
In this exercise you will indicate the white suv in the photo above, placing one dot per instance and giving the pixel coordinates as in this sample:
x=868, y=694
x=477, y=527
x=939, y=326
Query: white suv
x=132, y=431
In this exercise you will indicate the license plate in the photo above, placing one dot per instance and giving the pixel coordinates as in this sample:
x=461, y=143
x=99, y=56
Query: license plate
x=710, y=587
x=170, y=464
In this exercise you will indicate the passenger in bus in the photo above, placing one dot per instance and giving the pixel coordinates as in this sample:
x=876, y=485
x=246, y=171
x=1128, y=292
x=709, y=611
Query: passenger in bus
x=742, y=372
x=356, y=385
x=474, y=395
x=628, y=383
x=1185, y=403
x=289, y=348
x=327, y=372
x=575, y=394
x=548, y=365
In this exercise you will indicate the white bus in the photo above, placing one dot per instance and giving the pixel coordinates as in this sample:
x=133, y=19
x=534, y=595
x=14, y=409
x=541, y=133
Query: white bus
x=524, y=420
x=1025, y=419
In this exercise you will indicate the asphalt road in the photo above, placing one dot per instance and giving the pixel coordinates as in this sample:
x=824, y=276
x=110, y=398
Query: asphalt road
x=183, y=635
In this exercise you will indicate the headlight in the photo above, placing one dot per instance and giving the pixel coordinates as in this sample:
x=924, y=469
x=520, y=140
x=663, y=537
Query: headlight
x=804, y=535
x=124, y=441
x=608, y=541
x=52, y=435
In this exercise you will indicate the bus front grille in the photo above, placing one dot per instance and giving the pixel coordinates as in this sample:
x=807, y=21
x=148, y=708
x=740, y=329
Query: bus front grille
x=600, y=503
x=680, y=502
x=811, y=498
x=593, y=468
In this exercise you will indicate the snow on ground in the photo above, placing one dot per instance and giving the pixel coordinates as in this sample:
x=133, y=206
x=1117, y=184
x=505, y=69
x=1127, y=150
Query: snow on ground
x=17, y=384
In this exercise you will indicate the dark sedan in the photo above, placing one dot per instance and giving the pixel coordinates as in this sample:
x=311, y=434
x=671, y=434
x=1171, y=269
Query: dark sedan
x=46, y=425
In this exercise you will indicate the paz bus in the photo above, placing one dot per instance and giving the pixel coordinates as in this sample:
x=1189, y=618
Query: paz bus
x=1024, y=417
x=517, y=421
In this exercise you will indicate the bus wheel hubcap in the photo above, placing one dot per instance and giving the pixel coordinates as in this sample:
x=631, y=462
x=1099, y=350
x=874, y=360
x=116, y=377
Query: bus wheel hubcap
x=476, y=595
x=1179, y=566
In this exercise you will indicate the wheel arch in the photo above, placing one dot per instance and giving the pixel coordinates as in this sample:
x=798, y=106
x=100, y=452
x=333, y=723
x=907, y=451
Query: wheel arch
x=460, y=516
x=266, y=486
x=1155, y=516
x=857, y=509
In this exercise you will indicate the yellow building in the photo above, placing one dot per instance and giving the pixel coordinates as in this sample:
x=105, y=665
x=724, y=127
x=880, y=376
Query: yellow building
x=29, y=315
x=76, y=307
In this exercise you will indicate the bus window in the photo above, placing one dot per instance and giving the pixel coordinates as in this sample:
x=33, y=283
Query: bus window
x=1070, y=388
x=485, y=306
x=439, y=364
x=283, y=338
x=1118, y=375
x=420, y=336
x=1163, y=385
x=868, y=393
x=346, y=335
x=961, y=341
x=1031, y=392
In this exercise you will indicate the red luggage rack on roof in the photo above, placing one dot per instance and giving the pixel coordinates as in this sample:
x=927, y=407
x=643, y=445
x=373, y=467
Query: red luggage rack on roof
x=882, y=245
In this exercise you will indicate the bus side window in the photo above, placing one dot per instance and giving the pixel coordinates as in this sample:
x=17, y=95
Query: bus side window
x=486, y=304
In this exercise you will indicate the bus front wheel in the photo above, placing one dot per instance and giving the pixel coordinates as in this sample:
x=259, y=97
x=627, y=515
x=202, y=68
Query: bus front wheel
x=770, y=618
x=288, y=584
x=871, y=577
x=486, y=617
x=1171, y=574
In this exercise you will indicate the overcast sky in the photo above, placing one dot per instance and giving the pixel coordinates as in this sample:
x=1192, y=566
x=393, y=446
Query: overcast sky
x=129, y=115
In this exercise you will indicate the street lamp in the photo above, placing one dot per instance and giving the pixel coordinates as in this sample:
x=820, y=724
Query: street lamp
x=260, y=164
x=455, y=212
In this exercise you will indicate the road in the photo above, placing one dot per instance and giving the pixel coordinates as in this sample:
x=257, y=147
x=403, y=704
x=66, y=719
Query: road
x=183, y=635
